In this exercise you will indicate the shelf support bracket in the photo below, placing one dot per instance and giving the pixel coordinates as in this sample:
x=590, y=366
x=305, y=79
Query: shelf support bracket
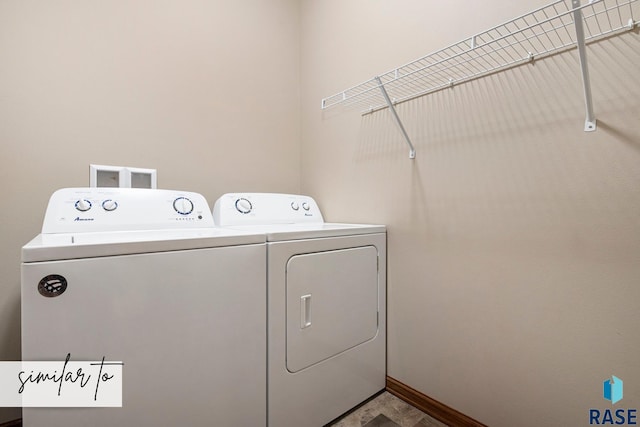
x=394, y=114
x=590, y=121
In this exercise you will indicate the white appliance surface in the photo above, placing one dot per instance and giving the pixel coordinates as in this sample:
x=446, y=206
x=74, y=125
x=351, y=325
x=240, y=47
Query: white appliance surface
x=326, y=310
x=281, y=217
x=150, y=282
x=233, y=209
x=352, y=275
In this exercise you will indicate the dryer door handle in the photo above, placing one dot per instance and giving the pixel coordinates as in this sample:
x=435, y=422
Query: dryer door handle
x=305, y=311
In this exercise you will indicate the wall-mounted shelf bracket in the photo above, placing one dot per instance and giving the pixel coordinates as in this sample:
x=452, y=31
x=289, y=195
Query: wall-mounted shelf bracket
x=394, y=114
x=590, y=121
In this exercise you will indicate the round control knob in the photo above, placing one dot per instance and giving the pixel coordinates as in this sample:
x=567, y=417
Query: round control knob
x=295, y=206
x=305, y=206
x=109, y=205
x=83, y=205
x=243, y=206
x=183, y=206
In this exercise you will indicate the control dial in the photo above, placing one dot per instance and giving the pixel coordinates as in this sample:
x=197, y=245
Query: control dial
x=109, y=205
x=306, y=206
x=83, y=205
x=243, y=206
x=183, y=206
x=295, y=206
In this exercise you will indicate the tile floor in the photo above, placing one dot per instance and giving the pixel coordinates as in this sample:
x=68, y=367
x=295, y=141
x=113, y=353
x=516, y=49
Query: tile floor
x=386, y=410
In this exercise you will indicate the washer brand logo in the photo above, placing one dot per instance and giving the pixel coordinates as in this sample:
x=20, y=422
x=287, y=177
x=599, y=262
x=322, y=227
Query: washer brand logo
x=52, y=286
x=83, y=219
x=612, y=390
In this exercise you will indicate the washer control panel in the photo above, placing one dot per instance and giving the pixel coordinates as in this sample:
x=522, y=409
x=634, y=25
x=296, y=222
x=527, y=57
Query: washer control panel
x=123, y=209
x=265, y=208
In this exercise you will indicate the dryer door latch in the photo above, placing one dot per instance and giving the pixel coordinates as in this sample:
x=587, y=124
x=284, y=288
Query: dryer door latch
x=305, y=311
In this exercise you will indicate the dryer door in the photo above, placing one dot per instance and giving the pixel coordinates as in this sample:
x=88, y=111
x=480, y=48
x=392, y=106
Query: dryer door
x=332, y=303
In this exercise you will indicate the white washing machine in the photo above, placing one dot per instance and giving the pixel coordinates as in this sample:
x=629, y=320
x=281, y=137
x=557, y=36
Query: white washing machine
x=326, y=300
x=143, y=277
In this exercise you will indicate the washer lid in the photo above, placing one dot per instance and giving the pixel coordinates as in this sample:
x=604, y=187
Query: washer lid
x=50, y=247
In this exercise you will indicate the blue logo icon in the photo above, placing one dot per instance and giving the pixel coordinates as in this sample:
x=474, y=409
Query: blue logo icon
x=613, y=389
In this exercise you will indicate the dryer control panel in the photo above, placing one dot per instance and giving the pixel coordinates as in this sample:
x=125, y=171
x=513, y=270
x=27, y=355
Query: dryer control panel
x=96, y=209
x=265, y=208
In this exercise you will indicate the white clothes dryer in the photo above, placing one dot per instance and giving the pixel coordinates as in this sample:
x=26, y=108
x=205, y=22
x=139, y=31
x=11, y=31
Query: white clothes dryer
x=326, y=301
x=143, y=277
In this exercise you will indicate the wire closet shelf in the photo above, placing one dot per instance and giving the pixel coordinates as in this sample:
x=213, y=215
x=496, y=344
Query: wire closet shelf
x=558, y=26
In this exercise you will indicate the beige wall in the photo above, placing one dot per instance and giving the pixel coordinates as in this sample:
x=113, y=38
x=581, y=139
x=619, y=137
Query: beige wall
x=514, y=236
x=204, y=91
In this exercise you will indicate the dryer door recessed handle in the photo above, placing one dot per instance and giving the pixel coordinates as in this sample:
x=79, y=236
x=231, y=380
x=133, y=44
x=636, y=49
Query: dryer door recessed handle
x=305, y=311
